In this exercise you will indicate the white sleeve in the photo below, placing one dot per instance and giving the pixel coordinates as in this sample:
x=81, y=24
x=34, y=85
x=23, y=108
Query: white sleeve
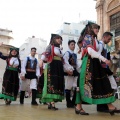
x=42, y=57
x=23, y=67
x=78, y=65
x=95, y=54
x=38, y=70
x=67, y=66
x=100, y=48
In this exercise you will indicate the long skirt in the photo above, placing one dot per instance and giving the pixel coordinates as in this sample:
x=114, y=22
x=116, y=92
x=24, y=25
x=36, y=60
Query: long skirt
x=40, y=87
x=53, y=89
x=94, y=85
x=10, y=85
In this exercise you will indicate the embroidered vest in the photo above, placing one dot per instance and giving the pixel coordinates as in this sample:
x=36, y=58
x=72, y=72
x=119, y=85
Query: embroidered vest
x=72, y=59
x=31, y=65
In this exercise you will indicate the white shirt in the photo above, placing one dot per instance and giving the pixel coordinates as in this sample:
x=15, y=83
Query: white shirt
x=57, y=51
x=95, y=54
x=67, y=66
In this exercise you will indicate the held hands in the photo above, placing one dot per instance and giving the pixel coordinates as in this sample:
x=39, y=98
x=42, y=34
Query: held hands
x=70, y=73
x=108, y=62
x=41, y=63
x=22, y=77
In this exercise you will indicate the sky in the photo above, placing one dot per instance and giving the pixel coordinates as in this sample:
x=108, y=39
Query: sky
x=40, y=18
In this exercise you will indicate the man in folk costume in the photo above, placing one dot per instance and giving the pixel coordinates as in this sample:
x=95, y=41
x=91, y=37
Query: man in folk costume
x=71, y=73
x=30, y=73
x=107, y=36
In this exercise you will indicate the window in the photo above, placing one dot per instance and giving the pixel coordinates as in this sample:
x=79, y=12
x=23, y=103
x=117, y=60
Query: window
x=71, y=38
x=76, y=32
x=23, y=49
x=115, y=21
x=117, y=32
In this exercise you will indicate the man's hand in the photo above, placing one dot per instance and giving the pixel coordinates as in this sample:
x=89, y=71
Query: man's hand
x=70, y=73
x=22, y=77
x=108, y=62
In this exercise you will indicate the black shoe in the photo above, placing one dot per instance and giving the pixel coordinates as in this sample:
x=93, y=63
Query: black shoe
x=7, y=102
x=70, y=106
x=34, y=103
x=80, y=112
x=117, y=111
x=114, y=111
x=22, y=94
x=50, y=106
x=34, y=92
x=21, y=103
x=111, y=112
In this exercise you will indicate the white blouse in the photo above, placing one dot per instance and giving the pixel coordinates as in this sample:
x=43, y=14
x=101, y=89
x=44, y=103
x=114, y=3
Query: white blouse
x=95, y=54
x=57, y=51
x=14, y=62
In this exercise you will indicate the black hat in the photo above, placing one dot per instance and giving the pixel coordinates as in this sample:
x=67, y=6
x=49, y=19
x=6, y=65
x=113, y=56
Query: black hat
x=14, y=48
x=54, y=36
x=90, y=24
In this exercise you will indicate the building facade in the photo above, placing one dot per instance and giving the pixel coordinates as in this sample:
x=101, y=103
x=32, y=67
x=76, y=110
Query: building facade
x=25, y=48
x=70, y=31
x=108, y=17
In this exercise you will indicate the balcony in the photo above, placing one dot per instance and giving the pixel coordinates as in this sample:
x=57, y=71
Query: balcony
x=6, y=33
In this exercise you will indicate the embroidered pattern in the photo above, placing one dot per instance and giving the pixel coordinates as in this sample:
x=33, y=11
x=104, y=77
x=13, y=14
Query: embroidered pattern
x=50, y=88
x=88, y=88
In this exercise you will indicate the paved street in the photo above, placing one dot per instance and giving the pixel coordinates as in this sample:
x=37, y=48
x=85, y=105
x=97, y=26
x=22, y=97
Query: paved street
x=27, y=112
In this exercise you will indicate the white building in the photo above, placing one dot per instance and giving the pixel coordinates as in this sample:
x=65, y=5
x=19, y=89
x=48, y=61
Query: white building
x=70, y=31
x=39, y=43
x=5, y=37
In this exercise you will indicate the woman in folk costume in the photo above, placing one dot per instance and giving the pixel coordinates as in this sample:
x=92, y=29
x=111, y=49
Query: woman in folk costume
x=10, y=85
x=53, y=90
x=94, y=85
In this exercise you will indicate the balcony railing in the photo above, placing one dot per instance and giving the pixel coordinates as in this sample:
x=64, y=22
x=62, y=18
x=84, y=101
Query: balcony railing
x=6, y=34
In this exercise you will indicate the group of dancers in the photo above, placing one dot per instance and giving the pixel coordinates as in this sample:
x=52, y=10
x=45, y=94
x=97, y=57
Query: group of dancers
x=57, y=74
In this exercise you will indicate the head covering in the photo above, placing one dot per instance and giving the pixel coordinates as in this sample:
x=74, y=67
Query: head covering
x=53, y=37
x=92, y=25
x=14, y=48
